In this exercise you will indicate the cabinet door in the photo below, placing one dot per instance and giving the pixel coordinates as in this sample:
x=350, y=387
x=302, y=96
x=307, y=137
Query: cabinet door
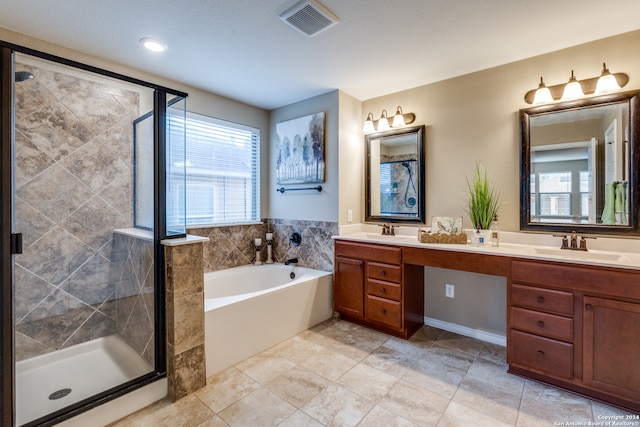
x=348, y=292
x=612, y=346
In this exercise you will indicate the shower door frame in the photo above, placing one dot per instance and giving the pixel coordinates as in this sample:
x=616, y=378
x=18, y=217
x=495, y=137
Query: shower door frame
x=7, y=363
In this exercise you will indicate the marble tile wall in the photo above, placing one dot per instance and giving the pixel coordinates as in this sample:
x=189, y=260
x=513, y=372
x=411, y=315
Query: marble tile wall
x=186, y=371
x=233, y=246
x=74, y=154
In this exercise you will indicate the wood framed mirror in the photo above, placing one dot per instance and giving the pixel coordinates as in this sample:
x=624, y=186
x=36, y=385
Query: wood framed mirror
x=579, y=167
x=395, y=176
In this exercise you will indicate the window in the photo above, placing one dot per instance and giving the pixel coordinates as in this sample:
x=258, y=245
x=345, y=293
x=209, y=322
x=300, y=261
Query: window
x=222, y=165
x=585, y=193
x=555, y=194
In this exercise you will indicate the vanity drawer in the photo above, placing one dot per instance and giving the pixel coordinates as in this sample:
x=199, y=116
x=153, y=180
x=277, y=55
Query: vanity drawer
x=389, y=273
x=558, y=302
x=384, y=289
x=547, y=356
x=383, y=311
x=370, y=252
x=536, y=322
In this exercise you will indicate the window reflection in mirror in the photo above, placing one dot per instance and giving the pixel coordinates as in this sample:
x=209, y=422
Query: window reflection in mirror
x=578, y=166
x=395, y=175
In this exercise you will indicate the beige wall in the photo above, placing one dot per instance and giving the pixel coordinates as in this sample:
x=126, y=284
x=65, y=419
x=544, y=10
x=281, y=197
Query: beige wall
x=475, y=118
x=308, y=205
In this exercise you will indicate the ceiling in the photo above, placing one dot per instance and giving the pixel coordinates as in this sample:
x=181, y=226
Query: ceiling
x=242, y=50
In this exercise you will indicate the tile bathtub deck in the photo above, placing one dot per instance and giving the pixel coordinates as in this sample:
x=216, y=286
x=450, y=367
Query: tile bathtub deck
x=340, y=374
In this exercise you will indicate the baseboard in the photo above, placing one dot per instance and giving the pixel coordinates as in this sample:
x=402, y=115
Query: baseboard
x=467, y=332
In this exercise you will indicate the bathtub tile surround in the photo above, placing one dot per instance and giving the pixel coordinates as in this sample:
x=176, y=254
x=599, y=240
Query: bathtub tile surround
x=316, y=250
x=74, y=144
x=185, y=318
x=229, y=246
x=389, y=384
x=233, y=246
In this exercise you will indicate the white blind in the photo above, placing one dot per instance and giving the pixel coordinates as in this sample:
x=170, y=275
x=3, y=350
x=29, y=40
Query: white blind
x=222, y=165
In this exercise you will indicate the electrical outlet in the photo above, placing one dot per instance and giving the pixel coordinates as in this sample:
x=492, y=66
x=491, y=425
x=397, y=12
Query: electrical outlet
x=449, y=290
x=350, y=215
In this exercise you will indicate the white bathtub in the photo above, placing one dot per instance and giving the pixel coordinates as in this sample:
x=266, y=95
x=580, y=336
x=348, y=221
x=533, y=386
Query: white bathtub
x=251, y=308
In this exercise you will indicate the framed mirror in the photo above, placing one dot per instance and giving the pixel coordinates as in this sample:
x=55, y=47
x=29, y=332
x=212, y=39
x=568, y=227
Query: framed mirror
x=394, y=168
x=579, y=168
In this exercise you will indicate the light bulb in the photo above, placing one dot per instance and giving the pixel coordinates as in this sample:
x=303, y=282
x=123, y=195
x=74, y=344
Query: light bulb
x=368, y=124
x=607, y=82
x=398, y=119
x=543, y=94
x=383, y=123
x=572, y=90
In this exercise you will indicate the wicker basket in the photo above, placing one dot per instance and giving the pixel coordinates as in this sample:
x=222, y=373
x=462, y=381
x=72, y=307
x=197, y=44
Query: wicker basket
x=425, y=237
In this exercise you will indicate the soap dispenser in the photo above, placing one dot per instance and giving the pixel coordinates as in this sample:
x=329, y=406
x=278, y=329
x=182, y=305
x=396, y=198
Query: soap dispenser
x=494, y=232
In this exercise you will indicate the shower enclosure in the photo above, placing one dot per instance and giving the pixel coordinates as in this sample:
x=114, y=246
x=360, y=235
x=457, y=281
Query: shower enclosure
x=82, y=281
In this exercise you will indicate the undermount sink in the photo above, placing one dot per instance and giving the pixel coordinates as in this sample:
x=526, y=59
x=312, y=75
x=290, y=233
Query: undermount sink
x=397, y=237
x=580, y=255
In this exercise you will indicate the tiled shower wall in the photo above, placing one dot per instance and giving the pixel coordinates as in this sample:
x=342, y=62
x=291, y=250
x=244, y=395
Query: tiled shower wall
x=233, y=246
x=73, y=180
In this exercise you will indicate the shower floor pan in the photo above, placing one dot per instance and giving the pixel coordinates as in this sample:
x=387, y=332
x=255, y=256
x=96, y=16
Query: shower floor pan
x=52, y=381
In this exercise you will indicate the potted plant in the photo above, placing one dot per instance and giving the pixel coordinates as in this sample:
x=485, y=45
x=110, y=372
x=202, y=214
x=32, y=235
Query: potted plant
x=482, y=205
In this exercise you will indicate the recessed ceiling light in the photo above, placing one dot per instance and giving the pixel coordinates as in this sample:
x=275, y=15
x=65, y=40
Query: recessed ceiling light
x=153, y=44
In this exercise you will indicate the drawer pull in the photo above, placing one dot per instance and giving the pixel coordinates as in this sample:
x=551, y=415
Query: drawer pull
x=540, y=354
x=541, y=300
x=540, y=324
x=383, y=311
x=382, y=272
x=589, y=307
x=383, y=290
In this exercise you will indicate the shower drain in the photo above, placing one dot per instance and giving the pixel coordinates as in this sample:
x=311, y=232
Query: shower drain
x=59, y=394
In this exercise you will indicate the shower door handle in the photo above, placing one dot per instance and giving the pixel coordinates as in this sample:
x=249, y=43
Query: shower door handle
x=16, y=243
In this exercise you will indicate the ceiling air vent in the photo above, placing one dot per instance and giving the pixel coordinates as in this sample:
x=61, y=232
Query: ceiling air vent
x=309, y=17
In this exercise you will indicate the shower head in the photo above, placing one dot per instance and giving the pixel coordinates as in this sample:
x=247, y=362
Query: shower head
x=406, y=165
x=21, y=76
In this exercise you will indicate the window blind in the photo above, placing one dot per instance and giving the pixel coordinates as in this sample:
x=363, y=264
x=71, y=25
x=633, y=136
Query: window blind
x=222, y=166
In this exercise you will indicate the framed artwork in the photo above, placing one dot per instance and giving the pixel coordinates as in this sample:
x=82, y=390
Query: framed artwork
x=300, y=150
x=446, y=225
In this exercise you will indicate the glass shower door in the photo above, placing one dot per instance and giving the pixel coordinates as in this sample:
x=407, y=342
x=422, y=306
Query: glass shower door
x=84, y=282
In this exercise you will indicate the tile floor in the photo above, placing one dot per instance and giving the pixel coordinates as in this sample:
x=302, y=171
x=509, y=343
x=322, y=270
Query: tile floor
x=340, y=374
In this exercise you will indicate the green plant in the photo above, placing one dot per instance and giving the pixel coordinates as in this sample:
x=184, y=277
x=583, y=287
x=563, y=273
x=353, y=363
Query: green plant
x=482, y=205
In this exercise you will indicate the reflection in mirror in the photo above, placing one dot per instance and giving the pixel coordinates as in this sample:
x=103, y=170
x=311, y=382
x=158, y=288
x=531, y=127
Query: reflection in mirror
x=577, y=166
x=395, y=175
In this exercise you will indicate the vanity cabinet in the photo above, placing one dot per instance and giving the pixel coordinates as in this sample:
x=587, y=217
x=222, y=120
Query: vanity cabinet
x=541, y=329
x=369, y=288
x=576, y=326
x=612, y=346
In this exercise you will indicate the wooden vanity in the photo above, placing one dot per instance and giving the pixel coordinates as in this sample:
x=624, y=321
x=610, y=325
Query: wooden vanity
x=570, y=324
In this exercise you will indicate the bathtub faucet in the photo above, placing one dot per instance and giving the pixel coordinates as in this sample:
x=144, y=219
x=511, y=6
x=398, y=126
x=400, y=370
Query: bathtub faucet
x=291, y=261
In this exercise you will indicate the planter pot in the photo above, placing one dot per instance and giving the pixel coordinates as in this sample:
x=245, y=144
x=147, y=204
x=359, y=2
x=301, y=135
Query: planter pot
x=481, y=238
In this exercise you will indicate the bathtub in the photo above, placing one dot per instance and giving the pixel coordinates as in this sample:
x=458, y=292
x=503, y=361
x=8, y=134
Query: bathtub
x=251, y=308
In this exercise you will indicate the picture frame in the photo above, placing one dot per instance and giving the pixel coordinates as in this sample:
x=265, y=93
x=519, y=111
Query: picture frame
x=300, y=150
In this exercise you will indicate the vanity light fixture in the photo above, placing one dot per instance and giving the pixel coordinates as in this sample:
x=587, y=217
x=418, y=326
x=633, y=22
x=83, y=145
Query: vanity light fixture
x=383, y=122
x=368, y=124
x=543, y=94
x=399, y=119
x=153, y=45
x=572, y=90
x=607, y=82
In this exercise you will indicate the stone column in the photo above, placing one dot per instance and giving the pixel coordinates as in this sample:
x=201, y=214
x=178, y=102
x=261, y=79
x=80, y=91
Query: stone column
x=185, y=316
